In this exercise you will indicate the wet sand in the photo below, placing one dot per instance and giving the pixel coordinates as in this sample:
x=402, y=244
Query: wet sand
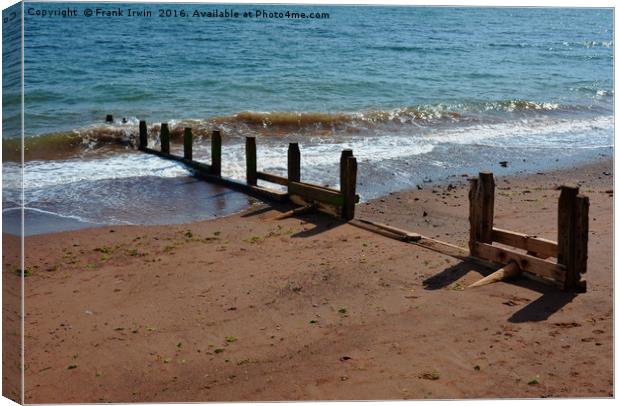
x=253, y=308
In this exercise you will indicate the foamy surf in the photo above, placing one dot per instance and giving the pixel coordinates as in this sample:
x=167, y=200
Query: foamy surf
x=101, y=138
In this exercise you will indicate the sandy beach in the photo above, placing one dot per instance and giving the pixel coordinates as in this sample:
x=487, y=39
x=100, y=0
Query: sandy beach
x=249, y=307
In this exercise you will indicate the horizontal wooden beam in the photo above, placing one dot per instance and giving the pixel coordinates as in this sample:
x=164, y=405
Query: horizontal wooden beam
x=527, y=263
x=542, y=247
x=315, y=193
x=322, y=207
x=280, y=180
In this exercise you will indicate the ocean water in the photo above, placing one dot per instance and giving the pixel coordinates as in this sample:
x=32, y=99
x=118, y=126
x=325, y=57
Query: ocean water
x=418, y=93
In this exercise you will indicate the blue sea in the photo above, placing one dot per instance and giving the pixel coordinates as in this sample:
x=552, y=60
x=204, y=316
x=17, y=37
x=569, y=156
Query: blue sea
x=418, y=93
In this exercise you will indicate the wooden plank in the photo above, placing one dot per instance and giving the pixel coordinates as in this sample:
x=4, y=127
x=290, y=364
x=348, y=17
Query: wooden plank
x=250, y=160
x=203, y=171
x=541, y=267
x=566, y=241
x=323, y=208
x=406, y=235
x=294, y=162
x=348, y=193
x=216, y=153
x=444, y=248
x=280, y=180
x=313, y=193
x=581, y=234
x=540, y=246
x=164, y=138
x=187, y=143
x=143, y=136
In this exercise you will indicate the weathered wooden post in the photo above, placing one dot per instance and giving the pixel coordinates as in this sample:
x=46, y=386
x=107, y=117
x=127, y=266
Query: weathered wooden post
x=164, y=138
x=250, y=160
x=348, y=180
x=481, y=210
x=187, y=143
x=343, y=162
x=216, y=153
x=582, y=209
x=294, y=162
x=143, y=136
x=573, y=236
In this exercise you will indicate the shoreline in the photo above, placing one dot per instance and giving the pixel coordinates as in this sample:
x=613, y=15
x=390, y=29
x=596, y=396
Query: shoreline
x=58, y=223
x=248, y=307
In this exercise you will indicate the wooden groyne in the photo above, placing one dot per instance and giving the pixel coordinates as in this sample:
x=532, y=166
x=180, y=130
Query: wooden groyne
x=560, y=263
x=338, y=203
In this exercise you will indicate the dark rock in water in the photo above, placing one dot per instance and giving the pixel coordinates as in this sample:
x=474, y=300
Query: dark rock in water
x=504, y=164
x=109, y=118
x=419, y=187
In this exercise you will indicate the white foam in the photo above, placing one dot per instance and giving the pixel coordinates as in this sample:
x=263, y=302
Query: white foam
x=40, y=174
x=320, y=155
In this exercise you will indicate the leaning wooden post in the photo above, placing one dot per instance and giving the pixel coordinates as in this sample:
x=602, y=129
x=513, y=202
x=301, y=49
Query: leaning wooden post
x=216, y=153
x=143, y=136
x=250, y=160
x=164, y=138
x=349, y=181
x=481, y=211
x=573, y=235
x=294, y=162
x=187, y=143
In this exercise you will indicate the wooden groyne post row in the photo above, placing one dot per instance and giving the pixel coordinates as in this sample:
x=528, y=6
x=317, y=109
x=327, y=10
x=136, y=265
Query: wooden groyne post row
x=338, y=203
x=560, y=263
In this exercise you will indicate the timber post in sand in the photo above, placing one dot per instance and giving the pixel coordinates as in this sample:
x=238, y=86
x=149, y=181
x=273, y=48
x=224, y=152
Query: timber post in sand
x=481, y=210
x=250, y=161
x=560, y=263
x=164, y=138
x=187, y=143
x=293, y=162
x=348, y=179
x=143, y=136
x=216, y=153
x=573, y=235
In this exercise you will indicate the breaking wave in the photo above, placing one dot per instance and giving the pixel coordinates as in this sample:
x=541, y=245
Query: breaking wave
x=97, y=138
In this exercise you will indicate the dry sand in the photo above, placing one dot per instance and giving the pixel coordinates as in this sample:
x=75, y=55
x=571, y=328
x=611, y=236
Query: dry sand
x=252, y=308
